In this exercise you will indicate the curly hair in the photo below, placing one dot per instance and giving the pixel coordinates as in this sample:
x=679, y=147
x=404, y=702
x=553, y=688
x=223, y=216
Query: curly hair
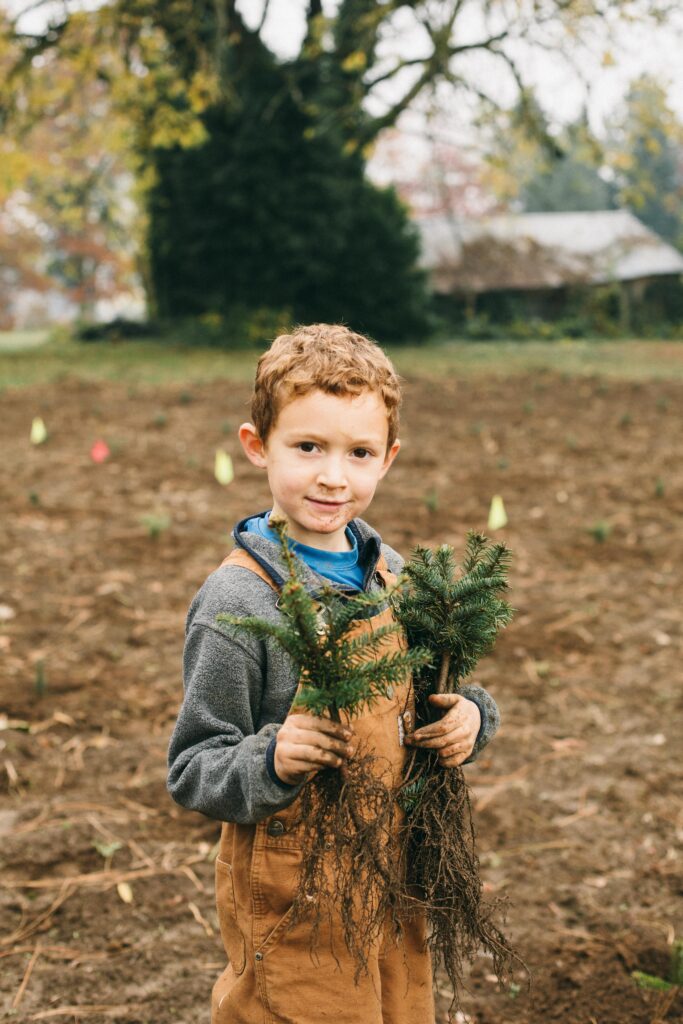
x=329, y=357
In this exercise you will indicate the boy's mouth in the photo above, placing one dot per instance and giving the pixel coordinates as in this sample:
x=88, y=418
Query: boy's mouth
x=324, y=503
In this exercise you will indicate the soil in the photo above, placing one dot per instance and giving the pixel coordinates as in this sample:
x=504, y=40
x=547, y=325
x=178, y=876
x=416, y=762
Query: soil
x=107, y=886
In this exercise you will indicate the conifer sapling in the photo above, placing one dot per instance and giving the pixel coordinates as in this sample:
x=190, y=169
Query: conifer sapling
x=348, y=816
x=456, y=614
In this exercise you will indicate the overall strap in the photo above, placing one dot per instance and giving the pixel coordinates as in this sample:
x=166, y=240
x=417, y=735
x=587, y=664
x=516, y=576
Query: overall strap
x=389, y=578
x=241, y=557
x=238, y=556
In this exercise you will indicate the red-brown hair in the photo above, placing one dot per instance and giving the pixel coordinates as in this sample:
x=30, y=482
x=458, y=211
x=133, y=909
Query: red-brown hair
x=329, y=357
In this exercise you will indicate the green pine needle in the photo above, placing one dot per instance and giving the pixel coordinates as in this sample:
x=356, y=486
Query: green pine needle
x=337, y=673
x=455, y=611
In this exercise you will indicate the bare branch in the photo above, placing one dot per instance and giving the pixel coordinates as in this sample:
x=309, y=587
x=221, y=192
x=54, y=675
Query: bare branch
x=462, y=83
x=393, y=71
x=483, y=44
x=434, y=67
x=535, y=124
x=264, y=15
x=315, y=10
x=377, y=124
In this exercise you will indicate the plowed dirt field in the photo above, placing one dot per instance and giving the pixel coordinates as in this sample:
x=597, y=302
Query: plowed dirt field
x=107, y=886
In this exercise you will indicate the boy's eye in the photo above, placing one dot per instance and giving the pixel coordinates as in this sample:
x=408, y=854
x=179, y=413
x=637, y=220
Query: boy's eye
x=361, y=452
x=306, y=446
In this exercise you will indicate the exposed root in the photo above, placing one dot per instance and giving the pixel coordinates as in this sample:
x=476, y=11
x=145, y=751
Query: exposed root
x=367, y=864
x=349, y=826
x=443, y=866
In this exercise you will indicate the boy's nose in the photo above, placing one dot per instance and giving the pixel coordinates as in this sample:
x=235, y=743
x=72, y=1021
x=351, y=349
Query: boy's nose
x=332, y=476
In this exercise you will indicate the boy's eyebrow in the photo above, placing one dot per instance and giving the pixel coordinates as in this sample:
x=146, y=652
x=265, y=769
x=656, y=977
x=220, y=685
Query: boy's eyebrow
x=310, y=435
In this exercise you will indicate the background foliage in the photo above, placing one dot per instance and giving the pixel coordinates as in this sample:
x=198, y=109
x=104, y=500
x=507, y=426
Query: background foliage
x=170, y=145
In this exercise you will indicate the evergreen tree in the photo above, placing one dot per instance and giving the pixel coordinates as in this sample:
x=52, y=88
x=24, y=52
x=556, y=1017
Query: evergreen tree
x=546, y=172
x=567, y=183
x=270, y=213
x=456, y=615
x=452, y=619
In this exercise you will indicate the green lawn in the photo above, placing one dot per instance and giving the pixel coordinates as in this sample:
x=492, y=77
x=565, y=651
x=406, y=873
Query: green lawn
x=33, y=357
x=20, y=341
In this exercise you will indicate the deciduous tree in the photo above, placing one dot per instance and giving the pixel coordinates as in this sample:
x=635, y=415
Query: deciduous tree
x=645, y=152
x=67, y=217
x=215, y=113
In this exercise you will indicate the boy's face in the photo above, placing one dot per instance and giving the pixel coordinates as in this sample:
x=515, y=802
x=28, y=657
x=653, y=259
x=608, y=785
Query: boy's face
x=324, y=456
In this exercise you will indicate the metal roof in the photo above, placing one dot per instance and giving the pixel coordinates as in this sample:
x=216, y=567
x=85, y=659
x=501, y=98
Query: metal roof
x=542, y=250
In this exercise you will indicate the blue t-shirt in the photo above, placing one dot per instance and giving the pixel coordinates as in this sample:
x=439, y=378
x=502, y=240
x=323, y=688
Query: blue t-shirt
x=341, y=567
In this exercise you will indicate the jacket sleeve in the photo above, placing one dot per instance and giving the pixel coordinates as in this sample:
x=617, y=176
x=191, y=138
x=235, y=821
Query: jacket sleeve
x=217, y=758
x=490, y=717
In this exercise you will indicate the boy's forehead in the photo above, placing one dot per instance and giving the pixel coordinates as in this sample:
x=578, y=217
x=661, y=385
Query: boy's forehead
x=326, y=413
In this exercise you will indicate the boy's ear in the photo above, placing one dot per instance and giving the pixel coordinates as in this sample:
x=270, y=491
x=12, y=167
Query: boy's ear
x=252, y=444
x=389, y=457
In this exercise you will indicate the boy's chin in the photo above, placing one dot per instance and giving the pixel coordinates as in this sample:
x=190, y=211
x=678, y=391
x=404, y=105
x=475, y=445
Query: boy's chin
x=317, y=520
x=323, y=525
x=329, y=522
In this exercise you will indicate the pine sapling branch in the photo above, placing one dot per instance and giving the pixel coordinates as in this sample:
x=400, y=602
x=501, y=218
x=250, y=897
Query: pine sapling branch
x=351, y=808
x=456, y=613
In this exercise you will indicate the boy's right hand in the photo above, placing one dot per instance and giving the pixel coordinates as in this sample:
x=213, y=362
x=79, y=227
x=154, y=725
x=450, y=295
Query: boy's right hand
x=307, y=743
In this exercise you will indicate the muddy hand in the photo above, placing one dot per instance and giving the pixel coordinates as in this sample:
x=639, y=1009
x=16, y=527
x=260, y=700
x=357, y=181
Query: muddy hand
x=307, y=743
x=455, y=733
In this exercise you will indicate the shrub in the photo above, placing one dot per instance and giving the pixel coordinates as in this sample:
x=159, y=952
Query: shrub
x=271, y=212
x=119, y=329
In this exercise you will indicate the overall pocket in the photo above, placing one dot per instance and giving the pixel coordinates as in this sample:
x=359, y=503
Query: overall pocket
x=275, y=867
x=232, y=937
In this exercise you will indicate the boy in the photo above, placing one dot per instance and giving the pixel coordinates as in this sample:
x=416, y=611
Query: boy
x=325, y=428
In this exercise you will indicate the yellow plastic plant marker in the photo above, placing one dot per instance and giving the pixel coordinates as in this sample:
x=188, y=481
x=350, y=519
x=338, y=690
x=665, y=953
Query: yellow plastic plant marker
x=223, y=470
x=497, y=514
x=38, y=431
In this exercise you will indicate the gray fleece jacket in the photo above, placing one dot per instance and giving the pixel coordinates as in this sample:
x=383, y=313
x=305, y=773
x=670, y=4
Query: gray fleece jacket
x=238, y=689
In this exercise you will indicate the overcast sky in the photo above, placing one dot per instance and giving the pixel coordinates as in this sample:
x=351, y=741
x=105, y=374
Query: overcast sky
x=634, y=50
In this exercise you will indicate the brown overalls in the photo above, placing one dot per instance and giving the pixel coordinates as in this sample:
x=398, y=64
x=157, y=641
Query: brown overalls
x=271, y=977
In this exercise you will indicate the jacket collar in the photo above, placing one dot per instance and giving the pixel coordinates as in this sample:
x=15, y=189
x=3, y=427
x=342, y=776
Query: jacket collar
x=267, y=553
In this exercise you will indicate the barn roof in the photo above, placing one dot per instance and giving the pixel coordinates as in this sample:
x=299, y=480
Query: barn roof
x=542, y=250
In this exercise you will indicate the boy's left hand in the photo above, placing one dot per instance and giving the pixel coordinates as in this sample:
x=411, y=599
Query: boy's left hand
x=455, y=734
